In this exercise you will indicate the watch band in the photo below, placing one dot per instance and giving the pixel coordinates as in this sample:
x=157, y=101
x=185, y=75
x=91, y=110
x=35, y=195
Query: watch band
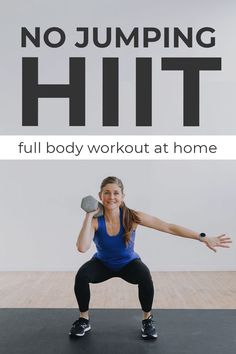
x=202, y=236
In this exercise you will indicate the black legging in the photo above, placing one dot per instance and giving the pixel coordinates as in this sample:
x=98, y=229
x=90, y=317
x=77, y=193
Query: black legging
x=94, y=271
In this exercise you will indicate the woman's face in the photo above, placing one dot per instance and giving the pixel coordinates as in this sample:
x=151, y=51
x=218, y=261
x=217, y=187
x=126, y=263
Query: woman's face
x=111, y=196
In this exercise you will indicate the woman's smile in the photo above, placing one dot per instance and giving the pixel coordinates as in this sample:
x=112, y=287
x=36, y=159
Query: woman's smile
x=111, y=196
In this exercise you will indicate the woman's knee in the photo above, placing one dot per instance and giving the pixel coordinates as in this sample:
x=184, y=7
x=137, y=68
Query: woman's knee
x=81, y=276
x=145, y=275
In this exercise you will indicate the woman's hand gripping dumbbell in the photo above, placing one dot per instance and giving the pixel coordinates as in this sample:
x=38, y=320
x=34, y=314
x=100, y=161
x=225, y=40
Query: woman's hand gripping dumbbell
x=92, y=205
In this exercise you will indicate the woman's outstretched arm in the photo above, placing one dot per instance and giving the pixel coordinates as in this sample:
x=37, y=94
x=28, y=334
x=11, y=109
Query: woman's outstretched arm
x=177, y=230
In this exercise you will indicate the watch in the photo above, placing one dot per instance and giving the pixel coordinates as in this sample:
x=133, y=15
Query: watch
x=202, y=236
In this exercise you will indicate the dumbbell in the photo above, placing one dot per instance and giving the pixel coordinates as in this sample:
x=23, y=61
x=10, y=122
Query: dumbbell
x=89, y=204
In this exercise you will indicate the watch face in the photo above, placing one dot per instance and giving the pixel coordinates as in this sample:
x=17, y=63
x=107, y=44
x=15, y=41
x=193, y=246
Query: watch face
x=202, y=234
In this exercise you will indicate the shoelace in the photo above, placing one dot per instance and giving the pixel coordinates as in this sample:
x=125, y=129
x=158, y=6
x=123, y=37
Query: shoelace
x=148, y=323
x=80, y=322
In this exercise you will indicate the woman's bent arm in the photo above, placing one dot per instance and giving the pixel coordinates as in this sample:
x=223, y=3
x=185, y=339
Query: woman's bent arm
x=86, y=233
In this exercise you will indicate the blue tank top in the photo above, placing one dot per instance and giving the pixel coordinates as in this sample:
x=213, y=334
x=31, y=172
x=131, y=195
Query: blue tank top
x=112, y=250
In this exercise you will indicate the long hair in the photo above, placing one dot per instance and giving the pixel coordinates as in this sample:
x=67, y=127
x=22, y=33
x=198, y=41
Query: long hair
x=129, y=215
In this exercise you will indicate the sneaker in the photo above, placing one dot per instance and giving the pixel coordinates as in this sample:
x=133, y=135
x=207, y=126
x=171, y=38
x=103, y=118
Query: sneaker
x=79, y=327
x=148, y=328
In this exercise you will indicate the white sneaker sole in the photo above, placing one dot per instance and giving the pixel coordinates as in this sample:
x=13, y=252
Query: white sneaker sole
x=154, y=336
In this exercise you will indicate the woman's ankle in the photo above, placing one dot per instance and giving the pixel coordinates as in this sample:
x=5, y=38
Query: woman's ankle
x=146, y=315
x=84, y=315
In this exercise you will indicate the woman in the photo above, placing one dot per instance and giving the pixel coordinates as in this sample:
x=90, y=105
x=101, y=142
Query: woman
x=114, y=234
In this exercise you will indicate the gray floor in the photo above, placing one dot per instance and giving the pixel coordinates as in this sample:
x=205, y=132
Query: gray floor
x=44, y=331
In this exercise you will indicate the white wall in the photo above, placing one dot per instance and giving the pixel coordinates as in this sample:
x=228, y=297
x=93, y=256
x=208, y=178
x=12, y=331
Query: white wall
x=41, y=215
